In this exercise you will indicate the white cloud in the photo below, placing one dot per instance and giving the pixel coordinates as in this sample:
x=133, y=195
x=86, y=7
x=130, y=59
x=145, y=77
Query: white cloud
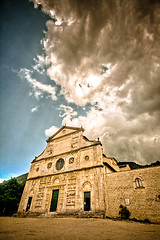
x=38, y=88
x=69, y=112
x=49, y=132
x=2, y=179
x=34, y=109
x=40, y=64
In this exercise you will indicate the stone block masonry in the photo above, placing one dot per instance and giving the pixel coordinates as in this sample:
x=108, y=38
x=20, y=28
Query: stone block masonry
x=138, y=189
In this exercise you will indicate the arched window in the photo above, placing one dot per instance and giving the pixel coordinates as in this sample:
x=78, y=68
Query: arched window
x=138, y=182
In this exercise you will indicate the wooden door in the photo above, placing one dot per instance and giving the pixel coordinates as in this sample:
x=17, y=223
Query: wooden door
x=87, y=201
x=54, y=200
x=29, y=204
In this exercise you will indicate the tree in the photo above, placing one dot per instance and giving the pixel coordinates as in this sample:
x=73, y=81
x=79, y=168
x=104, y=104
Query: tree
x=10, y=195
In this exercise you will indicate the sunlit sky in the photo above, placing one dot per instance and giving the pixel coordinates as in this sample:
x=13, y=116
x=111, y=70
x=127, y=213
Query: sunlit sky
x=87, y=63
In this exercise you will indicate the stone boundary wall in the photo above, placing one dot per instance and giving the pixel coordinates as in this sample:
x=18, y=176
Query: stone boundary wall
x=143, y=202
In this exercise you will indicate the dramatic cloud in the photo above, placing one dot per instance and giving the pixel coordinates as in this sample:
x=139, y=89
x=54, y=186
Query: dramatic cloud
x=127, y=140
x=106, y=53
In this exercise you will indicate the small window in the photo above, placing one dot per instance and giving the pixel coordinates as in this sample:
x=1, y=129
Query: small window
x=71, y=160
x=87, y=158
x=49, y=165
x=157, y=198
x=138, y=182
x=127, y=202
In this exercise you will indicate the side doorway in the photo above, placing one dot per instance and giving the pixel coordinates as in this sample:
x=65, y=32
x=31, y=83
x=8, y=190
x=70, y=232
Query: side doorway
x=54, y=201
x=29, y=204
x=87, y=201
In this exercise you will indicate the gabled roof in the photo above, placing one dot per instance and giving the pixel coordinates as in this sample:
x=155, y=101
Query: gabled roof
x=105, y=163
x=109, y=157
x=65, y=127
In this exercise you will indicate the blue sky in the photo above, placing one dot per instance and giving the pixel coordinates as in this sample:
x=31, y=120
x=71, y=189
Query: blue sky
x=91, y=64
x=21, y=31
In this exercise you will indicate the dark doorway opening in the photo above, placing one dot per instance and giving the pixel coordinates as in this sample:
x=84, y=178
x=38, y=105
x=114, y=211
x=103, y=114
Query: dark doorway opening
x=87, y=201
x=54, y=200
x=29, y=204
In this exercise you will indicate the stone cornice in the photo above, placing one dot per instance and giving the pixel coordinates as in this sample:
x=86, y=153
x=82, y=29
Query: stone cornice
x=58, y=173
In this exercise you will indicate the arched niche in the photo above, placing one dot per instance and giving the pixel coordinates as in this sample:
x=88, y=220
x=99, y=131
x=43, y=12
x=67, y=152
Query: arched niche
x=31, y=192
x=87, y=186
x=56, y=181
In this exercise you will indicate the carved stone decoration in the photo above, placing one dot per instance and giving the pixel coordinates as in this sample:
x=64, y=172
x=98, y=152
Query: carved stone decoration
x=33, y=183
x=71, y=160
x=50, y=152
x=86, y=158
x=49, y=165
x=71, y=191
x=31, y=191
x=49, y=149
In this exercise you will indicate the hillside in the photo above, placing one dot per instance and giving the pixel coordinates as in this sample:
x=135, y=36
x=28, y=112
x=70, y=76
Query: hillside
x=22, y=177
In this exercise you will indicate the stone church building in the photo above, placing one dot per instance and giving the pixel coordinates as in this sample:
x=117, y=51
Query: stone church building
x=72, y=176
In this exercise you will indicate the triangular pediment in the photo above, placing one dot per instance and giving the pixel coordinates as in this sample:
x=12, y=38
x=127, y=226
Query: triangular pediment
x=65, y=130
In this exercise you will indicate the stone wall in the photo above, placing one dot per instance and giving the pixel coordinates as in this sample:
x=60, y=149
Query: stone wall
x=72, y=186
x=143, y=202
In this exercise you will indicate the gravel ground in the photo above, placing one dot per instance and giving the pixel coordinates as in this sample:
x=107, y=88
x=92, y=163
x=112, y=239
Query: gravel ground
x=75, y=229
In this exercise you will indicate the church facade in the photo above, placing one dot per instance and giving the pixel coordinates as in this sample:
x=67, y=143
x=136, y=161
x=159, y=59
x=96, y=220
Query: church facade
x=72, y=176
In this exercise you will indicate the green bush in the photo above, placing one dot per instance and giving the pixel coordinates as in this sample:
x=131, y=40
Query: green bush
x=124, y=212
x=10, y=195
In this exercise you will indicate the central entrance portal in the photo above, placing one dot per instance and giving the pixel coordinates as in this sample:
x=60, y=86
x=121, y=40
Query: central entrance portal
x=54, y=200
x=87, y=201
